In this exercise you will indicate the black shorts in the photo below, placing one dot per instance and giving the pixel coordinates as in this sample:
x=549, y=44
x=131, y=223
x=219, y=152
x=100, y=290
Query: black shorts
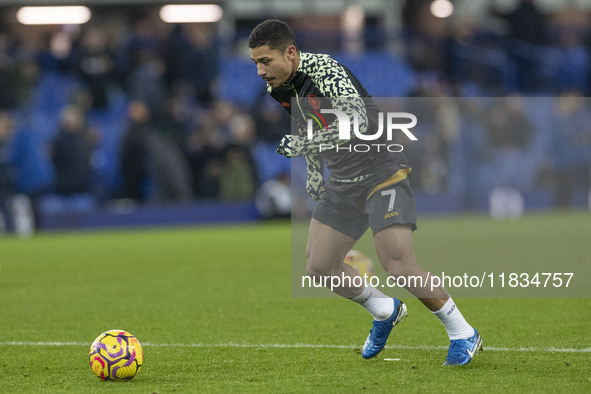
x=351, y=208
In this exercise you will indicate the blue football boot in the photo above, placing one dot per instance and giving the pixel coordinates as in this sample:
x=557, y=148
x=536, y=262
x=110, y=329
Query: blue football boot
x=461, y=351
x=380, y=331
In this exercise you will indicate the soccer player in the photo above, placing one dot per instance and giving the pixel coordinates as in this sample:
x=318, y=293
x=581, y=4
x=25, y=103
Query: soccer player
x=361, y=192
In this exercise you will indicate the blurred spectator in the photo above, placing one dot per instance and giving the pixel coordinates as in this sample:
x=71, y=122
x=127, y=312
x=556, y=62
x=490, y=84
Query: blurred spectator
x=71, y=152
x=192, y=57
x=526, y=22
x=509, y=132
x=467, y=151
x=272, y=121
x=507, y=124
x=145, y=37
x=205, y=149
x=175, y=118
x=424, y=35
x=145, y=81
x=573, y=61
x=95, y=65
x=7, y=174
x=133, y=156
x=8, y=77
x=32, y=162
x=571, y=149
x=273, y=198
x=238, y=179
x=169, y=169
x=147, y=156
x=528, y=30
x=17, y=212
x=18, y=73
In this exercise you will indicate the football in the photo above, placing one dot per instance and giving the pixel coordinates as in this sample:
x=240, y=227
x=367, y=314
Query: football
x=116, y=355
x=362, y=264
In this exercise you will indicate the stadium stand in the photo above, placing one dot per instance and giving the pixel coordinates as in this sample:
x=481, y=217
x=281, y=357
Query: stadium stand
x=197, y=124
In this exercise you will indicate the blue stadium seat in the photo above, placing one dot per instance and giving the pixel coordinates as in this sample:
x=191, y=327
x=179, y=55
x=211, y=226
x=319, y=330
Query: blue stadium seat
x=239, y=81
x=382, y=74
x=268, y=163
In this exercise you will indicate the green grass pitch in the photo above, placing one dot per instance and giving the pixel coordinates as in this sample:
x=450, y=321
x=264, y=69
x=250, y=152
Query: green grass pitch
x=213, y=310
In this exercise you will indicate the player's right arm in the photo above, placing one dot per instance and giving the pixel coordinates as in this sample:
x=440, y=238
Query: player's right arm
x=334, y=82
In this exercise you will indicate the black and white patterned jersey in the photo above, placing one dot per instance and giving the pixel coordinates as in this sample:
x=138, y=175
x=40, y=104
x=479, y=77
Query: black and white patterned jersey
x=320, y=76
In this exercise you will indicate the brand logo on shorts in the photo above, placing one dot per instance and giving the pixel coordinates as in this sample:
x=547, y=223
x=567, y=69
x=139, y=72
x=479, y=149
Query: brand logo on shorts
x=391, y=214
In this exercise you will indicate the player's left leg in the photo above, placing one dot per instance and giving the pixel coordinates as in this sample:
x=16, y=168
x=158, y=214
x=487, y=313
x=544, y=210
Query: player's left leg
x=394, y=246
x=325, y=252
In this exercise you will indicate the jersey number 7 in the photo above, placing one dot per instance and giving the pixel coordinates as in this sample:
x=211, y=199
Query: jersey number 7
x=392, y=194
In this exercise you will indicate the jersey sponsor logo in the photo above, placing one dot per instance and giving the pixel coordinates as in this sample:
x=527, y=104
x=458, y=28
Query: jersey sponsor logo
x=314, y=102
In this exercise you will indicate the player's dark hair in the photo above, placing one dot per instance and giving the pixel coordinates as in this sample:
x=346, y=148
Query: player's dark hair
x=272, y=32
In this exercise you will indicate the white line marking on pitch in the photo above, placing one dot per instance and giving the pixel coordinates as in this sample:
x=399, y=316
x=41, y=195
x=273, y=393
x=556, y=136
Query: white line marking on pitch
x=299, y=346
